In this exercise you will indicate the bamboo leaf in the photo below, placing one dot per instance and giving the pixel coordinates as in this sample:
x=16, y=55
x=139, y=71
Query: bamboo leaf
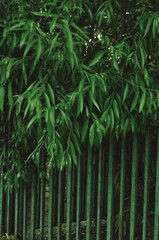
x=29, y=46
x=111, y=119
x=73, y=153
x=93, y=84
x=76, y=143
x=10, y=95
x=115, y=108
x=115, y=63
x=97, y=58
x=1, y=98
x=148, y=26
x=51, y=93
x=39, y=48
x=91, y=134
x=53, y=23
x=24, y=73
x=84, y=129
x=47, y=101
x=31, y=122
x=80, y=104
x=135, y=100
x=142, y=102
x=126, y=92
x=68, y=37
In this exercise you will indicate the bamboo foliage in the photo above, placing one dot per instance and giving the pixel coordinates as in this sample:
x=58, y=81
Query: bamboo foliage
x=72, y=69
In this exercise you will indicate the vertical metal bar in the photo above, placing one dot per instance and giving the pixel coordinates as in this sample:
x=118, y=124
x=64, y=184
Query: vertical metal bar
x=133, y=187
x=37, y=219
x=78, y=213
x=59, y=208
x=110, y=190
x=73, y=193
x=88, y=200
x=122, y=189
x=146, y=178
x=156, y=219
x=24, y=212
x=32, y=220
x=50, y=213
x=8, y=202
x=42, y=193
x=21, y=188
x=98, y=237
x=42, y=207
x=68, y=210
x=1, y=200
x=16, y=214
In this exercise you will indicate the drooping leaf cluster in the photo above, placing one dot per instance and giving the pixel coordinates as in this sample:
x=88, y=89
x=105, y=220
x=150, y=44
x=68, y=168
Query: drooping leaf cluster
x=72, y=70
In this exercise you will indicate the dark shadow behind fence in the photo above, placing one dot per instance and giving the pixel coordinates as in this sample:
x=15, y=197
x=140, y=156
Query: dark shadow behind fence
x=112, y=193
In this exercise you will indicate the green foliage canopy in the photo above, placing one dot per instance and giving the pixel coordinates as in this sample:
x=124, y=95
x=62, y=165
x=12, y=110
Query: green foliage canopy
x=75, y=69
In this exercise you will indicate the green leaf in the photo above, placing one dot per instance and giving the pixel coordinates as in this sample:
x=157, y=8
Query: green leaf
x=97, y=58
x=39, y=48
x=115, y=108
x=154, y=29
x=126, y=92
x=53, y=42
x=135, y=100
x=9, y=69
x=93, y=84
x=53, y=23
x=115, y=63
x=111, y=119
x=47, y=101
x=68, y=37
x=10, y=95
x=1, y=98
x=42, y=14
x=84, y=129
x=94, y=102
x=52, y=117
x=51, y=94
x=73, y=153
x=91, y=134
x=28, y=47
x=142, y=57
x=76, y=143
x=31, y=122
x=80, y=103
x=142, y=102
x=24, y=73
x=158, y=99
x=23, y=38
x=148, y=26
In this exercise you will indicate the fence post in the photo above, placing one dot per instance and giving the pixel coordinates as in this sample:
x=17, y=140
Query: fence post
x=99, y=195
x=16, y=213
x=1, y=200
x=33, y=199
x=68, y=210
x=89, y=179
x=146, y=180
x=42, y=191
x=156, y=223
x=122, y=189
x=59, y=206
x=133, y=187
x=50, y=213
x=78, y=198
x=8, y=212
x=24, y=211
x=110, y=190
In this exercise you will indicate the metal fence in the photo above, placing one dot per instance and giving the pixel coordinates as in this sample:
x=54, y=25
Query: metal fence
x=113, y=193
